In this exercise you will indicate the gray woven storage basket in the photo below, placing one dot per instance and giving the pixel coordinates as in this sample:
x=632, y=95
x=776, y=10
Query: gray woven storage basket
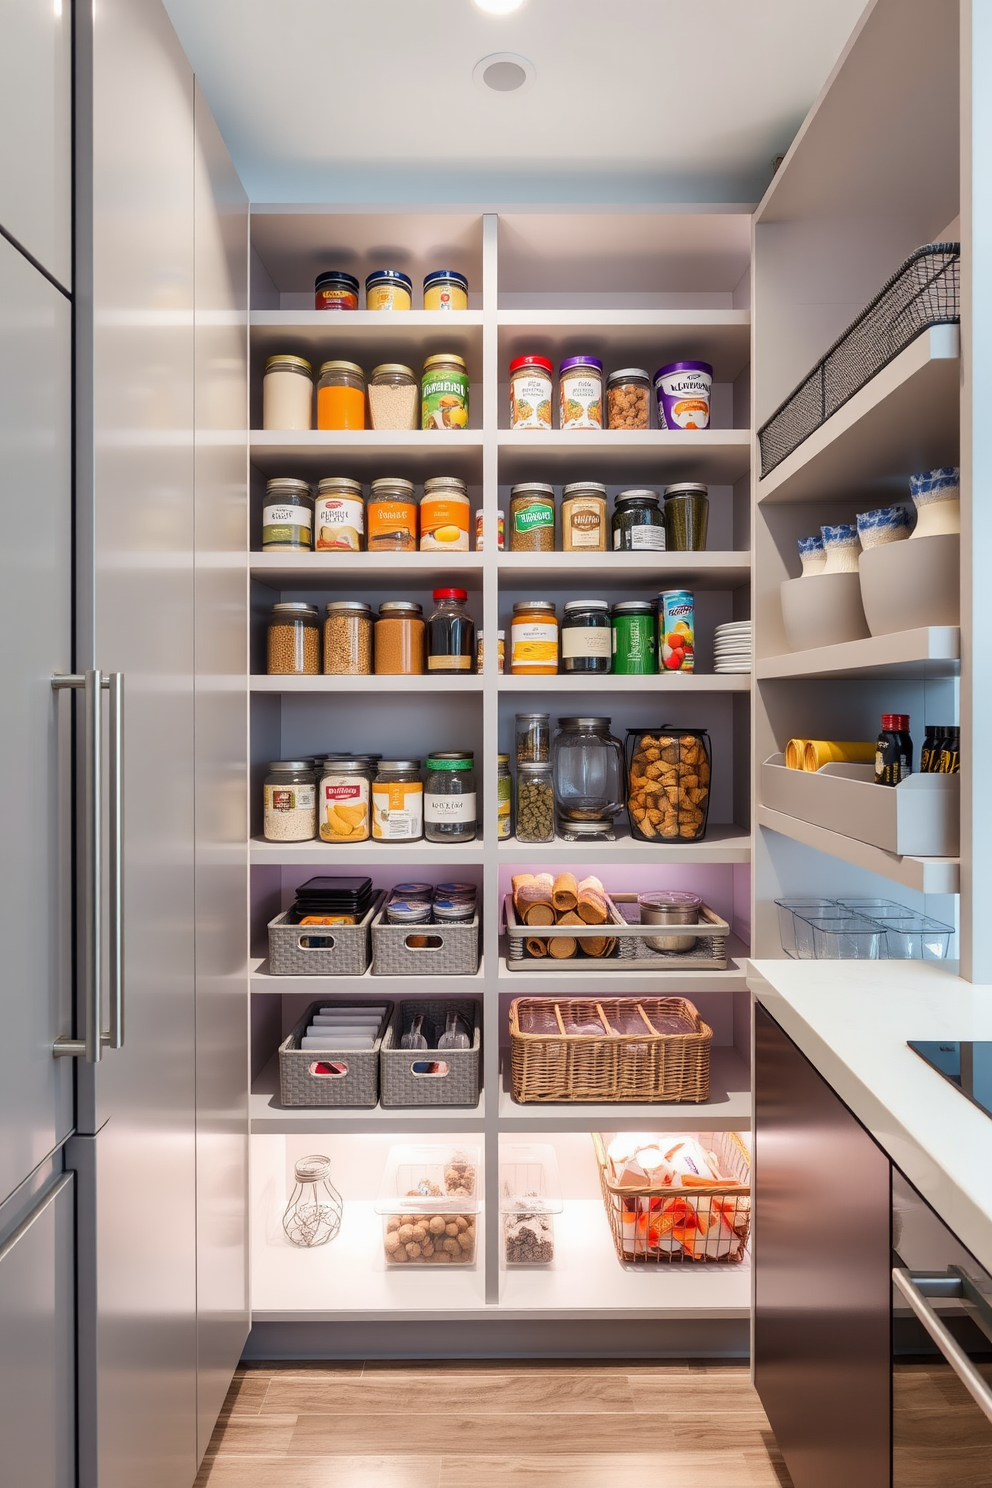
x=457, y=954
x=400, y=1086
x=343, y=950
x=300, y=1086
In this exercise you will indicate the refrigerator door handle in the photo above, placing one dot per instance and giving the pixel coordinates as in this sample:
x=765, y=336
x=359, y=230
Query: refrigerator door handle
x=942, y=1336
x=92, y=684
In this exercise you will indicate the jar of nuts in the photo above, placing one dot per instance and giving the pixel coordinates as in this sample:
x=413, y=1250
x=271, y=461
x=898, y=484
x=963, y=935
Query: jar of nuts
x=628, y=395
x=294, y=640
x=348, y=639
x=535, y=803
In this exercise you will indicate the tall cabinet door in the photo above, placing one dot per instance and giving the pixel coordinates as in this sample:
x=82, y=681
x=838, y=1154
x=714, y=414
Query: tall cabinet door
x=36, y=123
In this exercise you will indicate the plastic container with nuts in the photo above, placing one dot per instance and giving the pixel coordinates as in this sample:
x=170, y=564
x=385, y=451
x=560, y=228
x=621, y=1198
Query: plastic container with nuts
x=429, y=1206
x=529, y=1197
x=628, y=399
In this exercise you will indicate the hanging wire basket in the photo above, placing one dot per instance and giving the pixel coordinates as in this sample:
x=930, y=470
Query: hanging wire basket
x=313, y=1214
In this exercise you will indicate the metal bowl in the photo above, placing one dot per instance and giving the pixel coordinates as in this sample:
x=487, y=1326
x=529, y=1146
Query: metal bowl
x=669, y=907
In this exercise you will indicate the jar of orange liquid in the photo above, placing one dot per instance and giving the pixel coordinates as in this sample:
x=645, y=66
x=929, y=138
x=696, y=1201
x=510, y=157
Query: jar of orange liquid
x=341, y=396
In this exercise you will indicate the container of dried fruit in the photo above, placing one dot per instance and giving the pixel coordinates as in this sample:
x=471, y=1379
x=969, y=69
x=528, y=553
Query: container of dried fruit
x=668, y=783
x=429, y=1205
x=529, y=1198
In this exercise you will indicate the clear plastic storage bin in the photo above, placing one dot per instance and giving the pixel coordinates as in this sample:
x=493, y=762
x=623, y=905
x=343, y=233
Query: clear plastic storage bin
x=787, y=911
x=915, y=938
x=529, y=1198
x=825, y=936
x=429, y=1202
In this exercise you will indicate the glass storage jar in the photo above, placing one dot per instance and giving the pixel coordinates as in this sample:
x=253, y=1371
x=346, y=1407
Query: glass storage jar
x=392, y=516
x=532, y=518
x=445, y=289
x=289, y=801
x=444, y=392
x=586, y=636
x=313, y=1214
x=287, y=516
x=638, y=522
x=687, y=511
x=398, y=802
x=583, y=518
x=343, y=794
x=533, y=738
x=339, y=516
x=628, y=399
x=348, y=639
x=293, y=641
x=504, y=797
x=450, y=798
x=335, y=290
x=341, y=396
x=388, y=289
x=450, y=633
x=393, y=397
x=530, y=392
x=400, y=639
x=580, y=393
x=444, y=515
x=534, y=639
x=287, y=393
x=679, y=761
x=535, y=803
x=587, y=764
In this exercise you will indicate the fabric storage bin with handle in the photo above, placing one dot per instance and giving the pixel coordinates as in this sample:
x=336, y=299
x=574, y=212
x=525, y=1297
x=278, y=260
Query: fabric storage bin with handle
x=424, y=950
x=319, y=950
x=432, y=1076
x=343, y=1076
x=676, y=1197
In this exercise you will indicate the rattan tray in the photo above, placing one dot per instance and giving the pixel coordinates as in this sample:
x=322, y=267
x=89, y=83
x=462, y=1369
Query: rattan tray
x=631, y=953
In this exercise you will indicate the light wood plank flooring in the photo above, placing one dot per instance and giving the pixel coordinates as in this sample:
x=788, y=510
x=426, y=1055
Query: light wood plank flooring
x=493, y=1424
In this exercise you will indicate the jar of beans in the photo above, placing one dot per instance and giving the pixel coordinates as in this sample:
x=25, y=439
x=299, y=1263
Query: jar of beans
x=294, y=641
x=400, y=639
x=348, y=639
x=535, y=803
x=628, y=394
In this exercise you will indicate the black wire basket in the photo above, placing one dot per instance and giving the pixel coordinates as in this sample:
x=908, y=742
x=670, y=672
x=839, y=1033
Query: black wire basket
x=924, y=292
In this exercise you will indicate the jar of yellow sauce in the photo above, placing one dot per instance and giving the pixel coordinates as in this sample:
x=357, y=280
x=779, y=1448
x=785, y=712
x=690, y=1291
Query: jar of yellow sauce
x=388, y=289
x=445, y=289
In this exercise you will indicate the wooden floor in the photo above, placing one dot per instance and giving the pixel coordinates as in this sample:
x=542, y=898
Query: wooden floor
x=493, y=1424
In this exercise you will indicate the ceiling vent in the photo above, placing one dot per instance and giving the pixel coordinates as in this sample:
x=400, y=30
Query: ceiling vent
x=504, y=72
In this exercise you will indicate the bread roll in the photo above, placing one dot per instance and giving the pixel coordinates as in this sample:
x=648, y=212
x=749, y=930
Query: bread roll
x=565, y=894
x=561, y=947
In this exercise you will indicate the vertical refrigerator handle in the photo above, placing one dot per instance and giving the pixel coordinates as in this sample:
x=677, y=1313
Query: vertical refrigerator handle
x=93, y=684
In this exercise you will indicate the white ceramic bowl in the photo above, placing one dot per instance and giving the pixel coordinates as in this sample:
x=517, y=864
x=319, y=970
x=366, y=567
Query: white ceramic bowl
x=823, y=610
x=909, y=584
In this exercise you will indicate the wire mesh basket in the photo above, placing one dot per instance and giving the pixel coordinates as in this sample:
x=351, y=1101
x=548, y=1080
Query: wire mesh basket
x=924, y=292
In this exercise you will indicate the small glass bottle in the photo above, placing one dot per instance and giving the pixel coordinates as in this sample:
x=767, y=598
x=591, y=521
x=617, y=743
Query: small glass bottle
x=930, y=749
x=289, y=802
x=504, y=797
x=341, y=396
x=533, y=738
x=450, y=633
x=586, y=636
x=313, y=1214
x=535, y=803
x=893, y=750
x=348, y=639
x=293, y=642
x=450, y=798
x=949, y=751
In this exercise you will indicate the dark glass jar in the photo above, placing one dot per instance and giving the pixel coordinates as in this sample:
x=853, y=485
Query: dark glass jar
x=930, y=749
x=586, y=636
x=638, y=523
x=893, y=750
x=450, y=798
x=949, y=751
x=687, y=509
x=450, y=633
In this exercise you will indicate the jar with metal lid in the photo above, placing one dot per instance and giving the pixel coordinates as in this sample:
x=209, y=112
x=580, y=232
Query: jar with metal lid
x=289, y=801
x=388, y=289
x=504, y=797
x=393, y=396
x=586, y=636
x=348, y=639
x=534, y=639
x=670, y=907
x=533, y=738
x=535, y=802
x=587, y=764
x=687, y=511
x=635, y=638
x=287, y=393
x=638, y=522
x=444, y=392
x=343, y=796
x=335, y=290
x=287, y=516
x=339, y=516
x=341, y=396
x=445, y=289
x=583, y=517
x=532, y=518
x=628, y=399
x=450, y=633
x=450, y=798
x=444, y=515
x=530, y=392
x=293, y=641
x=400, y=639
x=392, y=516
x=398, y=801
x=580, y=393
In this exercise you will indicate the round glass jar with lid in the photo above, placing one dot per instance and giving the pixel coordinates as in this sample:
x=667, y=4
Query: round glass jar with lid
x=398, y=801
x=394, y=396
x=348, y=639
x=388, y=289
x=287, y=393
x=343, y=798
x=400, y=639
x=289, y=801
x=628, y=399
x=580, y=393
x=392, y=516
x=583, y=518
x=444, y=392
x=335, y=290
x=687, y=510
x=586, y=636
x=532, y=518
x=450, y=798
x=444, y=515
x=445, y=289
x=287, y=516
x=504, y=798
x=635, y=638
x=339, y=516
x=535, y=802
x=587, y=765
x=293, y=640
x=533, y=738
x=341, y=396
x=531, y=383
x=638, y=522
x=534, y=639
x=450, y=633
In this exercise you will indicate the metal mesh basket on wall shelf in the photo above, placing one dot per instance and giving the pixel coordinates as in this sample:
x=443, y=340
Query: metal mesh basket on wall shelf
x=924, y=292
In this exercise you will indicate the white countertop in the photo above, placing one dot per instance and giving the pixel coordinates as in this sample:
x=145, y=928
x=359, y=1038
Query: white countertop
x=852, y=1020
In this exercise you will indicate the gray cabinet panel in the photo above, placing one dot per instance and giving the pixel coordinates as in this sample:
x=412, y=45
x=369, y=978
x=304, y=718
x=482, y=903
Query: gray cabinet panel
x=36, y=1347
x=36, y=126
x=35, y=641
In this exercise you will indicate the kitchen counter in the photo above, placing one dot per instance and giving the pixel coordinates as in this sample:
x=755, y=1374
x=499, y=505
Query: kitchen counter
x=852, y=1020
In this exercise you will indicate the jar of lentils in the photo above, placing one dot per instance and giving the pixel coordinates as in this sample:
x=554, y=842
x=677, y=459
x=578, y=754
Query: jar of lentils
x=289, y=796
x=348, y=639
x=450, y=798
x=294, y=640
x=535, y=803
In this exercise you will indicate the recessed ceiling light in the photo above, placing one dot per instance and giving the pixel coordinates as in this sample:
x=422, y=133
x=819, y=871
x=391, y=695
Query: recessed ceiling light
x=499, y=7
x=504, y=72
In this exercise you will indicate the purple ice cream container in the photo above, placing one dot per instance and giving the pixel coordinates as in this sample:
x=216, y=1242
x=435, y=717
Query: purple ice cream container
x=683, y=393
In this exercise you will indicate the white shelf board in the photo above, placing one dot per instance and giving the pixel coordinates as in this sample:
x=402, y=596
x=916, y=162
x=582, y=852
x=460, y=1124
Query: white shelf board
x=263, y=983
x=728, y=1108
x=607, y=981
x=717, y=456
x=315, y=570
x=716, y=570
x=368, y=453
x=647, y=338
x=440, y=682
x=267, y=1115
x=422, y=854
x=725, y=842
x=905, y=419
x=318, y=334
x=931, y=651
x=927, y=875
x=672, y=684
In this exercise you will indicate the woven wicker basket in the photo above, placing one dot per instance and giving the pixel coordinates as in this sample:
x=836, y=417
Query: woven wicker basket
x=666, y=1226
x=329, y=1078
x=407, y=1077
x=614, y=1066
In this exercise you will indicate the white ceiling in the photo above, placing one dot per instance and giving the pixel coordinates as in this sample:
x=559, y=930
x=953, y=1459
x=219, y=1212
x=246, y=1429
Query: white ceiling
x=633, y=100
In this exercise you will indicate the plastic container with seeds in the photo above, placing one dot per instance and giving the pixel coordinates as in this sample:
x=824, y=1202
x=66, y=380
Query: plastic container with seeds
x=348, y=639
x=444, y=392
x=289, y=802
x=339, y=516
x=341, y=396
x=583, y=518
x=287, y=516
x=532, y=518
x=392, y=516
x=393, y=397
x=344, y=792
x=444, y=515
x=287, y=393
x=293, y=642
x=400, y=639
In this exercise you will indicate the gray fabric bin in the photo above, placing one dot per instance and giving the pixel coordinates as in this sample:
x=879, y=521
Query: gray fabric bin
x=456, y=955
x=358, y=1086
x=335, y=950
x=401, y=1086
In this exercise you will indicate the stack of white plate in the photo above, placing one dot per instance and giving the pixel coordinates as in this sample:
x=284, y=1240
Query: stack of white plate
x=732, y=647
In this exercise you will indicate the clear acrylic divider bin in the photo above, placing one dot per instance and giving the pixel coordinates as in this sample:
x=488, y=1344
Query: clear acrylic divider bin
x=787, y=911
x=874, y=908
x=833, y=937
x=529, y=1197
x=915, y=938
x=429, y=1202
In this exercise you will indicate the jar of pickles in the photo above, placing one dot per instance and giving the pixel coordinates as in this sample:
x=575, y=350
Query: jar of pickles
x=293, y=641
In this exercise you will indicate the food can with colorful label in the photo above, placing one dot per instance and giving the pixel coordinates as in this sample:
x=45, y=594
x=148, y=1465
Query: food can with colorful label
x=676, y=630
x=683, y=392
x=635, y=638
x=444, y=393
x=344, y=793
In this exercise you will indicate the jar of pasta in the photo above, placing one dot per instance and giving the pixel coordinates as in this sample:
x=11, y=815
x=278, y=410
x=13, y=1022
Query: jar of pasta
x=534, y=639
x=289, y=801
x=388, y=289
x=444, y=393
x=287, y=515
x=392, y=516
x=532, y=518
x=293, y=648
x=580, y=393
x=341, y=396
x=348, y=639
x=339, y=516
x=287, y=393
x=530, y=393
x=400, y=639
x=398, y=802
x=444, y=515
